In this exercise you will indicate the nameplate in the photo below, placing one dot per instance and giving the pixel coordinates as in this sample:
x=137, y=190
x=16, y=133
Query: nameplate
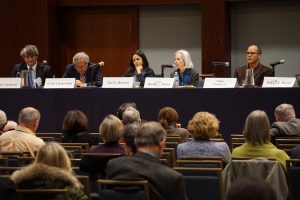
x=117, y=82
x=220, y=83
x=10, y=82
x=59, y=83
x=151, y=82
x=279, y=82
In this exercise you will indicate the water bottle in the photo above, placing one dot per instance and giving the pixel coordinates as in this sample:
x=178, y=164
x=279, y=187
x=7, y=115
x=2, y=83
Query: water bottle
x=176, y=79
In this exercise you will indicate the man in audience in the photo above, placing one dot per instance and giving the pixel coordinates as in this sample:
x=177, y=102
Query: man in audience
x=165, y=183
x=286, y=122
x=253, y=62
x=131, y=115
x=23, y=137
x=86, y=73
x=123, y=107
x=3, y=121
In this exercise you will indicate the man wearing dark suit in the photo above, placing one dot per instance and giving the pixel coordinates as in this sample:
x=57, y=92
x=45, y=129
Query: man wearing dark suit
x=85, y=73
x=165, y=183
x=253, y=62
x=40, y=71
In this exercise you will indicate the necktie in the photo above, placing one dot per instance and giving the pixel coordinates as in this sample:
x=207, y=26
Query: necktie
x=82, y=78
x=30, y=79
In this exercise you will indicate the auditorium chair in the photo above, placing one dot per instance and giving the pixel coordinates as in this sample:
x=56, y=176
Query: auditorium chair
x=45, y=194
x=293, y=177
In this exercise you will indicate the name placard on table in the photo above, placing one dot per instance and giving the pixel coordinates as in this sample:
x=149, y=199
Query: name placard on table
x=52, y=83
x=117, y=82
x=10, y=83
x=152, y=82
x=220, y=83
x=280, y=82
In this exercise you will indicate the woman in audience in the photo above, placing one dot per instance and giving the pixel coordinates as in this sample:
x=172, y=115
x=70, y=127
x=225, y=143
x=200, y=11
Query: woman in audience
x=168, y=118
x=139, y=67
x=110, y=131
x=50, y=170
x=257, y=139
x=202, y=127
x=75, y=127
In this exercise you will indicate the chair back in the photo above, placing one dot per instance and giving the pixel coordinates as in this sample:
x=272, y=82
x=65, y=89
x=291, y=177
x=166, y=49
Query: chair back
x=45, y=194
x=201, y=162
x=293, y=176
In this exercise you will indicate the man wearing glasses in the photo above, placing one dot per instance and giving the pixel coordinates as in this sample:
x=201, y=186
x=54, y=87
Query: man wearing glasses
x=259, y=70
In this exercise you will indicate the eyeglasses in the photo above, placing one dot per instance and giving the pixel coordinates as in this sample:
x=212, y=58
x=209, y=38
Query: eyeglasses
x=252, y=53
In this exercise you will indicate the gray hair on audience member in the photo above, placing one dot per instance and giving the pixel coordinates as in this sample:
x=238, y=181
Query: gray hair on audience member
x=30, y=50
x=131, y=115
x=80, y=56
x=285, y=110
x=150, y=134
x=29, y=115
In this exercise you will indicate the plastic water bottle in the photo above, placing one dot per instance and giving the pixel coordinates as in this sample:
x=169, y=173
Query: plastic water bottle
x=176, y=79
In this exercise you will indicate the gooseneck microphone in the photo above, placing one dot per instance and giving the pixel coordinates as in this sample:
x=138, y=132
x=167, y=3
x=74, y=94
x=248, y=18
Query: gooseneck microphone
x=167, y=66
x=277, y=62
x=99, y=64
x=226, y=64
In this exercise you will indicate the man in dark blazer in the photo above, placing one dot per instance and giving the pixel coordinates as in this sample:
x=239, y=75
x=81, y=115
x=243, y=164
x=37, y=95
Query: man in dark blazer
x=85, y=73
x=165, y=183
x=40, y=71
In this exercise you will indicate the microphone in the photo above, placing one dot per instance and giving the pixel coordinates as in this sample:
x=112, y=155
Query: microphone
x=277, y=62
x=45, y=62
x=99, y=64
x=167, y=66
x=226, y=64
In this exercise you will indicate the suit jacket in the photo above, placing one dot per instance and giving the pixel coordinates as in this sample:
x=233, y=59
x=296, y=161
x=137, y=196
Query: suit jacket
x=140, y=77
x=259, y=73
x=93, y=75
x=291, y=127
x=165, y=183
x=189, y=77
x=42, y=71
x=7, y=189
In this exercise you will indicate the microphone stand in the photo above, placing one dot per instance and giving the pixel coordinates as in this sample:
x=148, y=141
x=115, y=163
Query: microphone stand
x=273, y=70
x=162, y=71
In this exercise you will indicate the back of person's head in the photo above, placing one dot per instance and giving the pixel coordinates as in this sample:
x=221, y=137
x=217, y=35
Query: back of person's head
x=110, y=129
x=186, y=58
x=150, y=134
x=29, y=117
x=203, y=126
x=29, y=50
x=81, y=56
x=129, y=133
x=75, y=122
x=11, y=125
x=3, y=120
x=123, y=107
x=53, y=154
x=144, y=59
x=251, y=189
x=284, y=112
x=131, y=115
x=167, y=117
x=257, y=128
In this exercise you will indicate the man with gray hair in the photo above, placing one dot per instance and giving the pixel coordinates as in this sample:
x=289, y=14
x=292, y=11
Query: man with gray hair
x=131, y=115
x=165, y=183
x=3, y=121
x=85, y=73
x=286, y=122
x=23, y=137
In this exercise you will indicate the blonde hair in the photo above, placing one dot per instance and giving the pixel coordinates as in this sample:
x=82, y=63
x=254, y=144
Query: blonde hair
x=110, y=128
x=53, y=154
x=204, y=125
x=257, y=128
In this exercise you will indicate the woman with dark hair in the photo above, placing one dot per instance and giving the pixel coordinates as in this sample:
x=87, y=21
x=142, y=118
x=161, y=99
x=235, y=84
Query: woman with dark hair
x=139, y=67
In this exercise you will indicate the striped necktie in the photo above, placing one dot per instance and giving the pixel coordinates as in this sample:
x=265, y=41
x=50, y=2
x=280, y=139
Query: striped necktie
x=82, y=78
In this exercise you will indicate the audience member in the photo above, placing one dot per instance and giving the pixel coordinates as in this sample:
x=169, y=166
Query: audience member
x=257, y=135
x=184, y=67
x=11, y=125
x=51, y=169
x=168, y=118
x=7, y=189
x=75, y=126
x=202, y=127
x=39, y=71
x=165, y=183
x=128, y=134
x=286, y=122
x=23, y=137
x=85, y=73
x=123, y=107
x=110, y=131
x=131, y=115
x=3, y=121
x=253, y=62
x=139, y=67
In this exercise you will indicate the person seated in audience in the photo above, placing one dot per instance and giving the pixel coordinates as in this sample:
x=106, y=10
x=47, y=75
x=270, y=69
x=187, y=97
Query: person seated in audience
x=40, y=71
x=251, y=189
x=257, y=139
x=184, y=66
x=128, y=135
x=3, y=121
x=131, y=115
x=253, y=56
x=75, y=126
x=7, y=189
x=23, y=137
x=11, y=125
x=203, y=126
x=165, y=183
x=110, y=131
x=51, y=169
x=123, y=107
x=168, y=118
x=85, y=73
x=139, y=67
x=286, y=122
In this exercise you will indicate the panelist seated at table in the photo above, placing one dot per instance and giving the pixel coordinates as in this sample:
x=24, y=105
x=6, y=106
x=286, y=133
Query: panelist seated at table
x=139, y=67
x=253, y=62
x=39, y=71
x=184, y=67
x=85, y=73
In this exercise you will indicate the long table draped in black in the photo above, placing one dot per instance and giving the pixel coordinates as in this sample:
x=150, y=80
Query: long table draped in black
x=231, y=106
